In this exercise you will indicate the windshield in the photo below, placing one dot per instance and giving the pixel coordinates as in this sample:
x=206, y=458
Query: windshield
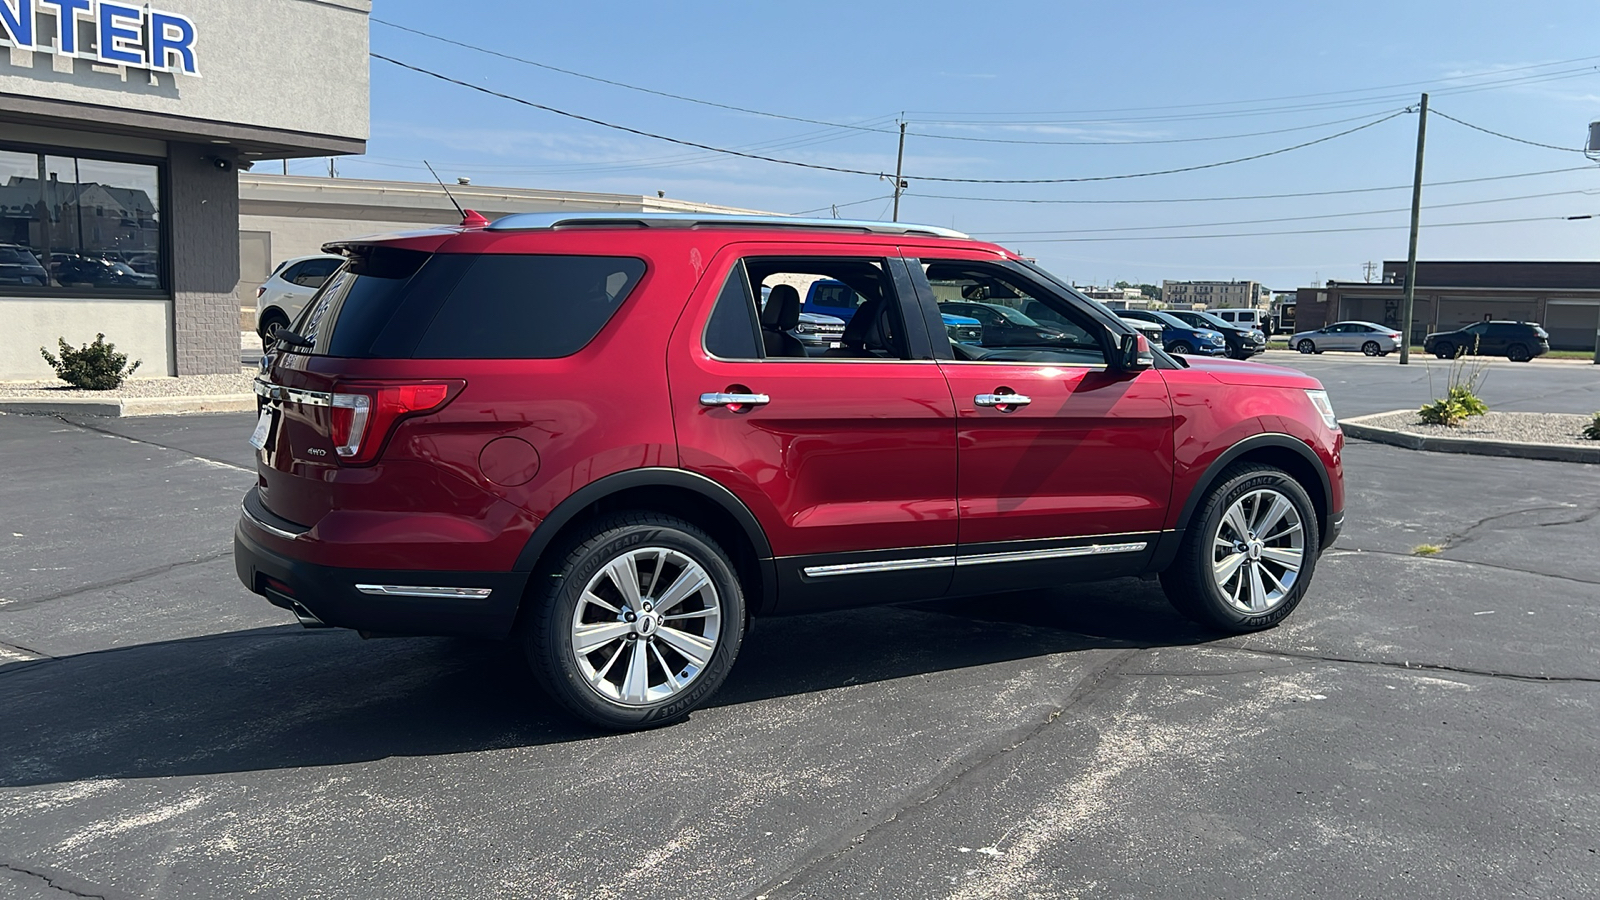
x=1016, y=318
x=1207, y=320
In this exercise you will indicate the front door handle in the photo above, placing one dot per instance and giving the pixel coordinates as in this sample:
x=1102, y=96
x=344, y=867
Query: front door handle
x=734, y=400
x=1002, y=400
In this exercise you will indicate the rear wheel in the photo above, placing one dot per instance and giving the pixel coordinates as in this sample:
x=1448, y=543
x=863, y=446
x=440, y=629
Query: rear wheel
x=271, y=321
x=637, y=623
x=1371, y=348
x=1518, y=353
x=1179, y=347
x=1249, y=553
x=1306, y=346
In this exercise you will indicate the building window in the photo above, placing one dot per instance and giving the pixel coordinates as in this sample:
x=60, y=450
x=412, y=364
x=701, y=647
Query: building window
x=79, y=225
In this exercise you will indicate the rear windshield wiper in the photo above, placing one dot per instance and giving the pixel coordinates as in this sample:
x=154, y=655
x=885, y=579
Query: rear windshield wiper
x=287, y=337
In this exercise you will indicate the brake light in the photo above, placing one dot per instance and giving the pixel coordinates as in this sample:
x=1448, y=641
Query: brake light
x=260, y=289
x=362, y=416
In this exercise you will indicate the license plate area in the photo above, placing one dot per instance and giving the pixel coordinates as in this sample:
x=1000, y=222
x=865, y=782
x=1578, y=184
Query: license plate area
x=264, y=424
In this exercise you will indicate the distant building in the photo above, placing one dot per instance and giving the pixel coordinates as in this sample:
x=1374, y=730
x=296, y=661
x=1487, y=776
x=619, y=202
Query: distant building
x=1216, y=294
x=1564, y=297
x=1117, y=298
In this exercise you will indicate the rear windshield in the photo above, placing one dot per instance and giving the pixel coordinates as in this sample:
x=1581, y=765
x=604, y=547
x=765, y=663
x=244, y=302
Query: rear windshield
x=390, y=303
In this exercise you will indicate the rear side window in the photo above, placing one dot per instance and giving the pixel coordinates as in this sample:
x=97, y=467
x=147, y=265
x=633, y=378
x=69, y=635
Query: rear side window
x=397, y=304
x=529, y=307
x=732, y=331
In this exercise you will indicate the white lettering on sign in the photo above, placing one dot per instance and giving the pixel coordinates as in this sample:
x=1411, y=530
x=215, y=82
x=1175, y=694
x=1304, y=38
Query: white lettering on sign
x=123, y=34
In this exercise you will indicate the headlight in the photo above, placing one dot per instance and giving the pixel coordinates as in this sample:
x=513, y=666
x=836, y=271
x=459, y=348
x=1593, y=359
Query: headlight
x=805, y=328
x=1320, y=400
x=1214, y=339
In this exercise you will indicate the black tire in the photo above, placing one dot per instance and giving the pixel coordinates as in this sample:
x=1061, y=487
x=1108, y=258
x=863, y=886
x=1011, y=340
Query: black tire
x=1189, y=583
x=1181, y=348
x=271, y=321
x=1444, y=350
x=552, y=602
x=1518, y=353
x=1306, y=346
x=1371, y=348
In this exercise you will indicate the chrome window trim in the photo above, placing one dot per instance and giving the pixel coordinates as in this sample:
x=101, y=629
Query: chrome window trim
x=269, y=529
x=885, y=565
x=439, y=593
x=269, y=391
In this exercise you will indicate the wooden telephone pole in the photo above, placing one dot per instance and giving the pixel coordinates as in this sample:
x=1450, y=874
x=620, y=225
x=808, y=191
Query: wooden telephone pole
x=1416, y=220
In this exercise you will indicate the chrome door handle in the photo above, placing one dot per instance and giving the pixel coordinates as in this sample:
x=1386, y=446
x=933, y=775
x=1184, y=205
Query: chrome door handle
x=734, y=399
x=1002, y=400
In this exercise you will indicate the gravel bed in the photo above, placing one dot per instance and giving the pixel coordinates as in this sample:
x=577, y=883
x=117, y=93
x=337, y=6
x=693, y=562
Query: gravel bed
x=1522, y=427
x=185, y=386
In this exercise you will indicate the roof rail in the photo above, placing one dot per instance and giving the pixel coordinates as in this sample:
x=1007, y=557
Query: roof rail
x=537, y=221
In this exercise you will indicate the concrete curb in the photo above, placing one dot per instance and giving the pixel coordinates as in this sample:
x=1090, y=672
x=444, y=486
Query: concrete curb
x=126, y=407
x=1356, y=428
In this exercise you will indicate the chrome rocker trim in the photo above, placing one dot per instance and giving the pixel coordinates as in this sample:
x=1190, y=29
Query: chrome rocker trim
x=938, y=562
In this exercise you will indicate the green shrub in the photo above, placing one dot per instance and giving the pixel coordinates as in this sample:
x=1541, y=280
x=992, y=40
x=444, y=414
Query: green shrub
x=1448, y=411
x=96, y=367
x=1592, y=430
x=1470, y=403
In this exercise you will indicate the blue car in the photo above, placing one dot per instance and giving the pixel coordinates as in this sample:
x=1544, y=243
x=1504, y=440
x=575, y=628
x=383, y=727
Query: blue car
x=1178, y=336
x=835, y=298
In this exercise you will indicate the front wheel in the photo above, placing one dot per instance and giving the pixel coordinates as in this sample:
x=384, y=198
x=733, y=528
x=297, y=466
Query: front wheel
x=1371, y=348
x=637, y=623
x=1179, y=347
x=1306, y=346
x=1249, y=553
x=1445, y=351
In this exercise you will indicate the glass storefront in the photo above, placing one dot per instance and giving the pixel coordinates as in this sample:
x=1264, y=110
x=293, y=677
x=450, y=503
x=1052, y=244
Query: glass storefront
x=79, y=226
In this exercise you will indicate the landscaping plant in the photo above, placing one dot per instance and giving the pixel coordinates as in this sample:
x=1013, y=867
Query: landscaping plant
x=1592, y=430
x=95, y=367
x=1461, y=399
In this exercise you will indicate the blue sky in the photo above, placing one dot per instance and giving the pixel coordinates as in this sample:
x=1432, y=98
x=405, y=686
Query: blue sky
x=1184, y=79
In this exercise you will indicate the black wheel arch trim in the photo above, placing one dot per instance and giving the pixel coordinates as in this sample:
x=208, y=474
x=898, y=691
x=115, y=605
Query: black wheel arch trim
x=598, y=490
x=1256, y=442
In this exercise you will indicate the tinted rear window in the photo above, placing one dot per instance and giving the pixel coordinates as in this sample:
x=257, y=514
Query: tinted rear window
x=400, y=304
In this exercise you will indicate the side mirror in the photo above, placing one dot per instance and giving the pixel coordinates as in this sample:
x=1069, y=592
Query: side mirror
x=1133, y=353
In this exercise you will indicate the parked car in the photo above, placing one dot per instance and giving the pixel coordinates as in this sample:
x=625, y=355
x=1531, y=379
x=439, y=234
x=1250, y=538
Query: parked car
x=962, y=329
x=20, y=267
x=819, y=333
x=88, y=270
x=1178, y=336
x=1367, y=337
x=1245, y=317
x=1003, y=325
x=1243, y=341
x=280, y=299
x=576, y=437
x=1516, y=341
x=838, y=300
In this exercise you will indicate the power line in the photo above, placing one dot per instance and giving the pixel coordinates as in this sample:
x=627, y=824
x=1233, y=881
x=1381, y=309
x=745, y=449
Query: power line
x=1367, y=190
x=1342, y=215
x=850, y=171
x=1505, y=136
x=806, y=212
x=1196, y=237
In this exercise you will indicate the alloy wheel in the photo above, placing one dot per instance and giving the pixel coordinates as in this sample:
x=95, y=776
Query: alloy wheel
x=1258, y=551
x=646, y=626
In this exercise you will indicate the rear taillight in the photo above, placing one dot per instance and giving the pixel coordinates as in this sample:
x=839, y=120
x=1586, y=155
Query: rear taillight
x=363, y=415
x=260, y=290
x=1394, y=336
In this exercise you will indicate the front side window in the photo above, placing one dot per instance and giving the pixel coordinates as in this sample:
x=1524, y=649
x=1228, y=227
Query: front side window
x=77, y=225
x=1022, y=322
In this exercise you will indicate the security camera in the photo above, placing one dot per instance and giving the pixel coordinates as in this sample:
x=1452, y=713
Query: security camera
x=223, y=164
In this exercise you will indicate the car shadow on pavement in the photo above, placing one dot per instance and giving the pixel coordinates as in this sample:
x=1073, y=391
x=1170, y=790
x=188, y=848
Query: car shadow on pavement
x=283, y=697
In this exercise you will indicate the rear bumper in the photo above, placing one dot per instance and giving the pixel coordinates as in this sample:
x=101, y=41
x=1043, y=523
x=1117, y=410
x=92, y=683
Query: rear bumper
x=388, y=601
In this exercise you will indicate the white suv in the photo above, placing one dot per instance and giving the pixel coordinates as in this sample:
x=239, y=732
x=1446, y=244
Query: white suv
x=293, y=282
x=1247, y=319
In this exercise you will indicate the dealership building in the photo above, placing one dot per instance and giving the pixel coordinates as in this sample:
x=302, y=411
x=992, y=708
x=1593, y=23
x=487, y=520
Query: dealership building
x=123, y=130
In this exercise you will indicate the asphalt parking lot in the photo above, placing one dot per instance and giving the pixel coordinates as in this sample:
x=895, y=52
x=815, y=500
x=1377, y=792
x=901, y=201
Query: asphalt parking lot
x=1420, y=727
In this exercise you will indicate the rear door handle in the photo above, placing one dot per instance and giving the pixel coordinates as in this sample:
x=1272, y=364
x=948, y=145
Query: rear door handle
x=1002, y=400
x=734, y=399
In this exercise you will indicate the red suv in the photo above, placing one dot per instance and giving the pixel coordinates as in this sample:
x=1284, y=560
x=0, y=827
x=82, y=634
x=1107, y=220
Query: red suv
x=586, y=432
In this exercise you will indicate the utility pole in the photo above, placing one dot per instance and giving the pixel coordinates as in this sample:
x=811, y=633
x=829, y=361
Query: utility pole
x=331, y=173
x=1416, y=222
x=1369, y=269
x=899, y=161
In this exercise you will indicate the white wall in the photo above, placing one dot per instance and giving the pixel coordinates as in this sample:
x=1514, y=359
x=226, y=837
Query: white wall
x=292, y=237
x=140, y=328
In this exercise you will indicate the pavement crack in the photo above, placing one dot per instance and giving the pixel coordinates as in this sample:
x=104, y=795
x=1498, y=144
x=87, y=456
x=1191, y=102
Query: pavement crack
x=10, y=645
x=1417, y=666
x=1466, y=535
x=1085, y=688
x=115, y=582
x=190, y=453
x=1461, y=562
x=50, y=881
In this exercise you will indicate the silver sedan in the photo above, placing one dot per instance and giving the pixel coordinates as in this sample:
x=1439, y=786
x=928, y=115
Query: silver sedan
x=1365, y=337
